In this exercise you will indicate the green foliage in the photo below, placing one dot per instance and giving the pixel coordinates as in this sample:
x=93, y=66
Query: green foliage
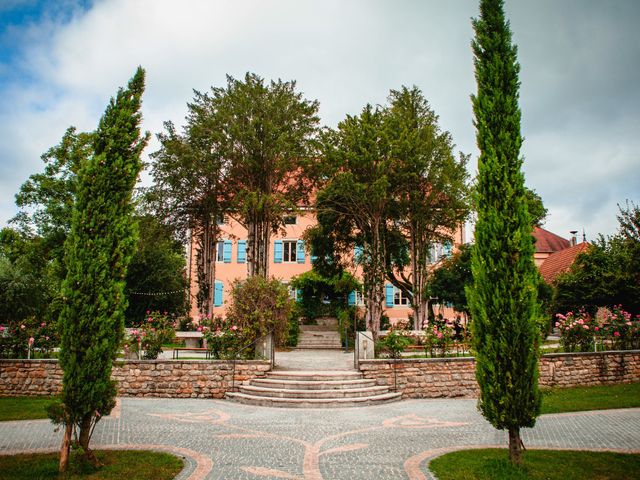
x=267, y=133
x=393, y=344
x=431, y=193
x=293, y=327
x=259, y=306
x=98, y=250
x=607, y=273
x=322, y=296
x=535, y=207
x=503, y=296
x=157, y=266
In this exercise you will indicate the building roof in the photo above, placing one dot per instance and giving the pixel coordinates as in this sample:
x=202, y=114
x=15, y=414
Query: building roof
x=560, y=262
x=547, y=242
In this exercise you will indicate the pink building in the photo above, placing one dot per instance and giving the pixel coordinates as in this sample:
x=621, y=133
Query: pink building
x=289, y=257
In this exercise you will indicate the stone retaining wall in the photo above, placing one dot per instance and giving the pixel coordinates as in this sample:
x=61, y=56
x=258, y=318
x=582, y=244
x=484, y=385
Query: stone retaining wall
x=455, y=377
x=140, y=378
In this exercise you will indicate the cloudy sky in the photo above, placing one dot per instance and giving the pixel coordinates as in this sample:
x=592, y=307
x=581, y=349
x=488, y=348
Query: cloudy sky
x=61, y=60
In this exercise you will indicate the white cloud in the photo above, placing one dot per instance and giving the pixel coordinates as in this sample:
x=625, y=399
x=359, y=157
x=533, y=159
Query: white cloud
x=579, y=146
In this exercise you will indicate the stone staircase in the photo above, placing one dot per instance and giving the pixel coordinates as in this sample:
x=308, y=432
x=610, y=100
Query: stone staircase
x=318, y=340
x=312, y=389
x=322, y=336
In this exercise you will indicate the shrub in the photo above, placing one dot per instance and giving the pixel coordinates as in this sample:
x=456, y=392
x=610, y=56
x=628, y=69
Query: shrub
x=577, y=331
x=259, y=306
x=147, y=340
x=16, y=338
x=438, y=338
x=394, y=343
x=226, y=340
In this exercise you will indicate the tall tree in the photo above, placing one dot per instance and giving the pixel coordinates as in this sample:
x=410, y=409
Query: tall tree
x=98, y=250
x=188, y=194
x=503, y=297
x=431, y=197
x=353, y=208
x=266, y=132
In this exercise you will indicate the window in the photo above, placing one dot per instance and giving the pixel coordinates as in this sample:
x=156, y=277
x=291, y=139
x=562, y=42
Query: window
x=290, y=220
x=220, y=251
x=289, y=250
x=399, y=297
x=359, y=298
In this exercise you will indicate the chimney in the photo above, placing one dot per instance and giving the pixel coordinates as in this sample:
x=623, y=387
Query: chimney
x=574, y=239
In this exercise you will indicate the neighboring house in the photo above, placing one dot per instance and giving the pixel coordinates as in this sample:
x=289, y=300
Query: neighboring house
x=547, y=244
x=289, y=256
x=560, y=262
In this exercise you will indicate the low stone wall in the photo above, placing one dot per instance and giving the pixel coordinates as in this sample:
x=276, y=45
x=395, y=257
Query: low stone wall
x=140, y=378
x=455, y=377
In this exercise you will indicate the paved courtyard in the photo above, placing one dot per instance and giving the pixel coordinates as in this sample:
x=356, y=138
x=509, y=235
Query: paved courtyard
x=224, y=440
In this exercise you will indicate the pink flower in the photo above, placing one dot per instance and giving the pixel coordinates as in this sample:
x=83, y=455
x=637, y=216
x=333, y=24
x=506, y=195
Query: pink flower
x=234, y=328
x=2, y=329
x=148, y=312
x=43, y=324
x=22, y=327
x=165, y=312
x=616, y=334
x=597, y=329
x=439, y=335
x=149, y=319
x=199, y=329
x=557, y=324
x=31, y=340
x=46, y=338
x=586, y=327
x=629, y=323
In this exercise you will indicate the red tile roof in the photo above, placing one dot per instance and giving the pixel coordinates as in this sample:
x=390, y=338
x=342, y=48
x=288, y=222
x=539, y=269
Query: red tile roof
x=547, y=242
x=560, y=262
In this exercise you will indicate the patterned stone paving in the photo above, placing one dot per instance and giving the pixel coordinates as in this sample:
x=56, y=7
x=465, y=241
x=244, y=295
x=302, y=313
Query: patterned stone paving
x=224, y=440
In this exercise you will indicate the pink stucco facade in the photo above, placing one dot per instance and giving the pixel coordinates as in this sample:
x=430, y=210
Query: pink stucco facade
x=231, y=264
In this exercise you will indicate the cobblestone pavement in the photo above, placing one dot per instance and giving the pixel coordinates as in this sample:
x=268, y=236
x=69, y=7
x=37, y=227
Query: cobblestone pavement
x=224, y=440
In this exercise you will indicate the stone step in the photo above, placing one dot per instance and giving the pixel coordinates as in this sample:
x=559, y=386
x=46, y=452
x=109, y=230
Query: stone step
x=318, y=347
x=313, y=402
x=318, y=328
x=313, y=394
x=314, y=375
x=312, y=384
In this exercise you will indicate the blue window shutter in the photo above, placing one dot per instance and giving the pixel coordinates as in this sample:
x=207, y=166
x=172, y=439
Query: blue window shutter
x=298, y=295
x=301, y=254
x=357, y=253
x=352, y=298
x=217, y=294
x=226, y=251
x=389, y=294
x=446, y=248
x=277, y=251
x=242, y=251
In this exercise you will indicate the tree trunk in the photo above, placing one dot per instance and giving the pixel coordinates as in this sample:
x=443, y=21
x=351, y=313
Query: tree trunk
x=515, y=446
x=65, y=447
x=85, y=437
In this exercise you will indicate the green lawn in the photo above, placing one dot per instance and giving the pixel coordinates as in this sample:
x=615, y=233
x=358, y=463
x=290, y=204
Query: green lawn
x=601, y=397
x=23, y=408
x=130, y=465
x=493, y=464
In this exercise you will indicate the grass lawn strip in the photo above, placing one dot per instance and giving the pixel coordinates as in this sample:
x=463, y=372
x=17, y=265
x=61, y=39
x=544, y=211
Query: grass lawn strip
x=599, y=397
x=493, y=464
x=118, y=464
x=23, y=408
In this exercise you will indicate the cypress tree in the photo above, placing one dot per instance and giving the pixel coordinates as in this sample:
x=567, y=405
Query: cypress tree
x=98, y=250
x=502, y=298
